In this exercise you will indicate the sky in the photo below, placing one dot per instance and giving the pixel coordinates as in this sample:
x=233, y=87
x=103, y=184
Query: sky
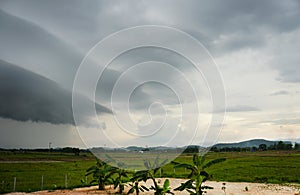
x=52, y=54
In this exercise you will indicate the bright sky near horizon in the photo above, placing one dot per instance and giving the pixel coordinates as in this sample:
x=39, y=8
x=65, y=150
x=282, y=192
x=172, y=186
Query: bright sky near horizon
x=255, y=44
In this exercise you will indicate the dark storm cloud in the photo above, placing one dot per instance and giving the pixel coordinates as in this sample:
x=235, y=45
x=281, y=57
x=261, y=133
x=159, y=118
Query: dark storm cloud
x=26, y=96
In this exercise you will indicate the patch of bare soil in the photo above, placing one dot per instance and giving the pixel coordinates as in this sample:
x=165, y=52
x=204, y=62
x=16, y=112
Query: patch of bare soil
x=231, y=188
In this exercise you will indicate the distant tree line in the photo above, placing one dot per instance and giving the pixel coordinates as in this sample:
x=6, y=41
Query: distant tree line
x=262, y=147
x=281, y=146
x=75, y=151
x=191, y=149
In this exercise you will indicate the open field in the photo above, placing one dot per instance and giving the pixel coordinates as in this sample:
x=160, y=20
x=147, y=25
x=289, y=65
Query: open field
x=60, y=170
x=269, y=166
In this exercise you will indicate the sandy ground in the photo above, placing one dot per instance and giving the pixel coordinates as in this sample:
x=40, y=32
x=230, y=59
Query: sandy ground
x=232, y=188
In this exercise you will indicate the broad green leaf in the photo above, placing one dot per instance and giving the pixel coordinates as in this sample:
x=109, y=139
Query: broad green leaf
x=166, y=184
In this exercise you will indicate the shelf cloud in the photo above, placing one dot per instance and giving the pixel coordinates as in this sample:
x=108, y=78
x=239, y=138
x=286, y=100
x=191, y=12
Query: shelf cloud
x=26, y=96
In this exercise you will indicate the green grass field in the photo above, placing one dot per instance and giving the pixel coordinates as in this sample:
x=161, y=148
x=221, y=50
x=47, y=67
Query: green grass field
x=268, y=166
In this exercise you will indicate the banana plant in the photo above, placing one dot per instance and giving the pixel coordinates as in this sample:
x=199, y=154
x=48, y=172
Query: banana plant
x=197, y=176
x=102, y=173
x=121, y=173
x=149, y=173
x=121, y=177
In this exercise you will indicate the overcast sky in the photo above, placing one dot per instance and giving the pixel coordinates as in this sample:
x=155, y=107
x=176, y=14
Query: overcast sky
x=254, y=43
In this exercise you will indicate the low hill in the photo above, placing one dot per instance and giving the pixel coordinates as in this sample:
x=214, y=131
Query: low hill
x=248, y=143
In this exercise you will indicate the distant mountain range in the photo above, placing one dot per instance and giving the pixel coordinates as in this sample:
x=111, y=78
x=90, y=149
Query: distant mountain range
x=243, y=144
x=249, y=143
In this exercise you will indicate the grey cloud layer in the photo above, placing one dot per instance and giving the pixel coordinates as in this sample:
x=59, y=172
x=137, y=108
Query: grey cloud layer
x=27, y=96
x=222, y=27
